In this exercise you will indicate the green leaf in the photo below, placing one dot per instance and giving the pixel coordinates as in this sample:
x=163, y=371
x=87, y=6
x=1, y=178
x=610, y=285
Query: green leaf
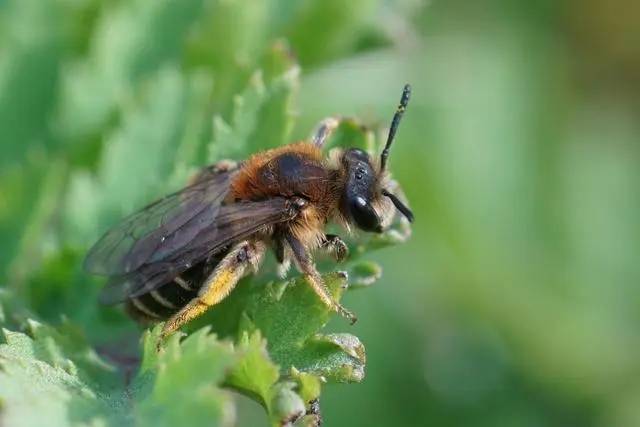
x=202, y=362
x=364, y=273
x=66, y=347
x=308, y=384
x=290, y=316
x=232, y=139
x=329, y=29
x=30, y=194
x=276, y=117
x=31, y=50
x=338, y=357
x=226, y=41
x=180, y=382
x=352, y=133
x=154, y=123
x=262, y=116
x=190, y=153
x=141, y=150
x=254, y=374
x=40, y=382
x=131, y=40
x=285, y=406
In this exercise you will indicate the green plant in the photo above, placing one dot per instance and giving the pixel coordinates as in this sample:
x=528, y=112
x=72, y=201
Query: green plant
x=126, y=92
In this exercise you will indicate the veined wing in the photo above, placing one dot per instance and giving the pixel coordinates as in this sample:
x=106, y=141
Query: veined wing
x=233, y=223
x=159, y=229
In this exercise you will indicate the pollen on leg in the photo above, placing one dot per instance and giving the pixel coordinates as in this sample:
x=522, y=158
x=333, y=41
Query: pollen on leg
x=218, y=285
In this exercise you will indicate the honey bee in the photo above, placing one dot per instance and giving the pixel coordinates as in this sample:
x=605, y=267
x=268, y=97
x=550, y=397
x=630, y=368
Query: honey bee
x=184, y=253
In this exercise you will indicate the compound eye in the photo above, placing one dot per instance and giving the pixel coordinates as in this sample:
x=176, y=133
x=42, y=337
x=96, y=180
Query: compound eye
x=364, y=215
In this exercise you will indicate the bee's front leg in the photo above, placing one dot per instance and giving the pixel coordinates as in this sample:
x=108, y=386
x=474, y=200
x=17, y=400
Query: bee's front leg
x=336, y=246
x=308, y=268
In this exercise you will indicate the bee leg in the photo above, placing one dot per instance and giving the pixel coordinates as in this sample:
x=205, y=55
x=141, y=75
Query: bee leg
x=336, y=246
x=324, y=130
x=279, y=246
x=219, y=284
x=284, y=261
x=308, y=268
x=314, y=411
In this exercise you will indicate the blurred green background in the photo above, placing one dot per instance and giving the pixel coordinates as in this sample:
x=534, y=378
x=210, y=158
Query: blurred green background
x=516, y=302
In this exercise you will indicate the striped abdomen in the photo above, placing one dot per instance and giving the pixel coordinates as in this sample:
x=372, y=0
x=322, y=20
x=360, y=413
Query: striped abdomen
x=167, y=299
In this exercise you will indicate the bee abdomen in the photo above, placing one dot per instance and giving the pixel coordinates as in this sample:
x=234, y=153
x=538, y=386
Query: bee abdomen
x=166, y=300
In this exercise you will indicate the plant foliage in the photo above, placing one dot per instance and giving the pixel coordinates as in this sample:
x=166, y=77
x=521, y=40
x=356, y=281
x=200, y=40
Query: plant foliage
x=106, y=105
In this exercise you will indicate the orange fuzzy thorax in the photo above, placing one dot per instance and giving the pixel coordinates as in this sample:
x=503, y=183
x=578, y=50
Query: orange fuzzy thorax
x=296, y=169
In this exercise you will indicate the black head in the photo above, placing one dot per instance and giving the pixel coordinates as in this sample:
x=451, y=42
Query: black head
x=362, y=188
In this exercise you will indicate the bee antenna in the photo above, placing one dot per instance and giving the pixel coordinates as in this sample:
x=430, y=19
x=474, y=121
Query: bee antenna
x=404, y=209
x=404, y=101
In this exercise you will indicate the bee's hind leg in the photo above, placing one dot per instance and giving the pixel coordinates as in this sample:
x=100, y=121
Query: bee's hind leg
x=308, y=268
x=218, y=285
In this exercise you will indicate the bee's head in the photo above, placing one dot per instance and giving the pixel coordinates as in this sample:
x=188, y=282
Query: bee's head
x=365, y=196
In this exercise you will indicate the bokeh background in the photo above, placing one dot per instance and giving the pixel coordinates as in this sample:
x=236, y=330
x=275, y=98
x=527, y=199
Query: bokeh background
x=517, y=300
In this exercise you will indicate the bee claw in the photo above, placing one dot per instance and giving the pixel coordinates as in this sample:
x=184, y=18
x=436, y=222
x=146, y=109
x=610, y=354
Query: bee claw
x=161, y=340
x=342, y=251
x=352, y=318
x=337, y=246
x=164, y=336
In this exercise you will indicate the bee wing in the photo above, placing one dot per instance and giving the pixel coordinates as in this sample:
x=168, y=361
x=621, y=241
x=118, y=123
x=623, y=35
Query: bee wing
x=232, y=223
x=162, y=227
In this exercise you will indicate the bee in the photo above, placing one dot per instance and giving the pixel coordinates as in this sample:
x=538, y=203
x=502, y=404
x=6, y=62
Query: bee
x=183, y=254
